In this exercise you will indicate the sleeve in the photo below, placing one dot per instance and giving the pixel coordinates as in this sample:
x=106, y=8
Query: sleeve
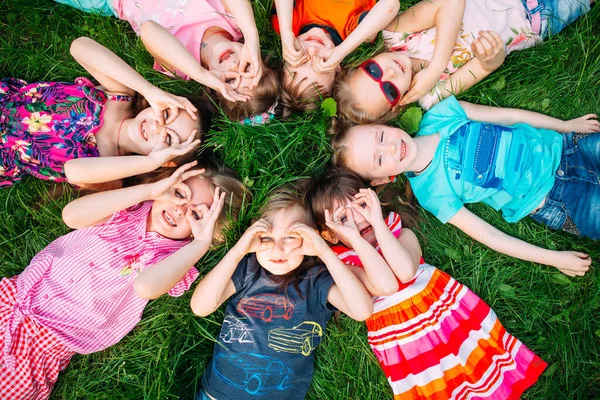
x=184, y=284
x=244, y=271
x=320, y=283
x=132, y=215
x=394, y=222
x=443, y=201
x=445, y=117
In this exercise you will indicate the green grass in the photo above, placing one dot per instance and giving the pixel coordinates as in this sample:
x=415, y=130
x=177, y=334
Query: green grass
x=164, y=356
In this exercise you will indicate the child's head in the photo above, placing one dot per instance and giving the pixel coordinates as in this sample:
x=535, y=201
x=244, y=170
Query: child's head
x=385, y=78
x=334, y=189
x=302, y=86
x=168, y=218
x=262, y=97
x=284, y=208
x=375, y=152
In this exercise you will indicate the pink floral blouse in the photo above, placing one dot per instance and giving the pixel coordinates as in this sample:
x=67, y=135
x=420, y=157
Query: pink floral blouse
x=80, y=287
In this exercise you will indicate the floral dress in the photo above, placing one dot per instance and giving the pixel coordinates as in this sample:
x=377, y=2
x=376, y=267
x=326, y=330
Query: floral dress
x=45, y=124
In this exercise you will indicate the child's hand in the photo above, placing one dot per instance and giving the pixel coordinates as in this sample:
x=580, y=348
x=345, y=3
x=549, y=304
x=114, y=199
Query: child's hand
x=251, y=242
x=489, y=50
x=168, y=147
x=160, y=101
x=312, y=243
x=421, y=84
x=586, y=124
x=571, y=263
x=172, y=188
x=327, y=62
x=226, y=83
x=292, y=51
x=342, y=224
x=251, y=56
x=202, y=219
x=367, y=204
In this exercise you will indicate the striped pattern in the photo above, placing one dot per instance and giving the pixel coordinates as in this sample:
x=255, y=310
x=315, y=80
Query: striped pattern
x=435, y=339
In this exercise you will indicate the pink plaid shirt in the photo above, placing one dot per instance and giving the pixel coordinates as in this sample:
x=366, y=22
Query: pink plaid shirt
x=80, y=287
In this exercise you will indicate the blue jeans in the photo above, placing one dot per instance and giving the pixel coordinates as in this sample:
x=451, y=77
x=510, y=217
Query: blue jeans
x=201, y=395
x=573, y=203
x=556, y=14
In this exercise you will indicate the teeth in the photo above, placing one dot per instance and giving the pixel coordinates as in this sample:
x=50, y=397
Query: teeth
x=169, y=220
x=144, y=130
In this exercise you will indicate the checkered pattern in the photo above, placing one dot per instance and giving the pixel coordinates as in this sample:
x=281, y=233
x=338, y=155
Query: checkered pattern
x=31, y=367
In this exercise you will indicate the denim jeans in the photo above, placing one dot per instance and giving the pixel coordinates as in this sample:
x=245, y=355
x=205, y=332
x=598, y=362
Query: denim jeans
x=573, y=203
x=201, y=395
x=556, y=14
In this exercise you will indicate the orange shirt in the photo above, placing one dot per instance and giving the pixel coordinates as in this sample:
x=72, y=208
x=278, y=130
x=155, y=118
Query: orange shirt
x=338, y=17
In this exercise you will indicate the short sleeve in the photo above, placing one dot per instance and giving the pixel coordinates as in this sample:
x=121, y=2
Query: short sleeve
x=244, y=271
x=446, y=117
x=136, y=213
x=320, y=283
x=441, y=201
x=184, y=284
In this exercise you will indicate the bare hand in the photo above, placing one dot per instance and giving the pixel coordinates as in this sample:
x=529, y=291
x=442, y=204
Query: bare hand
x=172, y=188
x=168, y=147
x=251, y=240
x=203, y=220
x=367, y=204
x=421, y=84
x=251, y=56
x=587, y=124
x=160, y=101
x=571, y=263
x=328, y=62
x=293, y=52
x=312, y=243
x=342, y=224
x=489, y=50
x=226, y=83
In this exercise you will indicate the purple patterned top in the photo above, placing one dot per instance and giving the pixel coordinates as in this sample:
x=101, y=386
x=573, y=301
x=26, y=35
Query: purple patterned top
x=45, y=124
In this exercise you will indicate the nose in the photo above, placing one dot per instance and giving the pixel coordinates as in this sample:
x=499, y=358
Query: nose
x=278, y=247
x=388, y=74
x=312, y=51
x=391, y=149
x=233, y=66
x=180, y=210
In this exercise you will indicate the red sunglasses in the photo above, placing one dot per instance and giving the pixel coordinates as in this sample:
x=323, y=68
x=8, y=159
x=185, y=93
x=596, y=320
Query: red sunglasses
x=375, y=72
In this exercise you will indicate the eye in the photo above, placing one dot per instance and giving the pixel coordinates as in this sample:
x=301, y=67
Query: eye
x=168, y=140
x=178, y=194
x=344, y=219
x=381, y=138
x=290, y=238
x=380, y=160
x=195, y=215
x=230, y=80
x=247, y=68
x=266, y=239
x=166, y=115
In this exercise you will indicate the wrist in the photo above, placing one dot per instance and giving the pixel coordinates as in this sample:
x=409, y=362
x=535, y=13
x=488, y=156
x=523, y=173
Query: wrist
x=145, y=88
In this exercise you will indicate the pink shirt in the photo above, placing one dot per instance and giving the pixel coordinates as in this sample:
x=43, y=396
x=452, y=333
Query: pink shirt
x=187, y=20
x=80, y=287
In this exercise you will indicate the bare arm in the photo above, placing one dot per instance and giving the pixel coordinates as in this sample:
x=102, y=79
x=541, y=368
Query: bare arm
x=241, y=10
x=404, y=261
x=512, y=116
x=107, y=68
x=568, y=262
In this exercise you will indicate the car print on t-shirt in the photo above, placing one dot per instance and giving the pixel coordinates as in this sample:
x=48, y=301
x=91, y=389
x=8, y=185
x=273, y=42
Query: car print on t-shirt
x=267, y=307
x=303, y=338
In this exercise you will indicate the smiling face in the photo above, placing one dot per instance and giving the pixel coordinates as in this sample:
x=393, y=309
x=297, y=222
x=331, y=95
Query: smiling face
x=316, y=42
x=225, y=56
x=364, y=227
x=168, y=218
x=376, y=152
x=144, y=131
x=396, y=69
x=276, y=260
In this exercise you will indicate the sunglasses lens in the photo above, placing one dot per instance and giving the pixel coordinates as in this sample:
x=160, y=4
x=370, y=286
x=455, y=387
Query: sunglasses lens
x=390, y=91
x=373, y=70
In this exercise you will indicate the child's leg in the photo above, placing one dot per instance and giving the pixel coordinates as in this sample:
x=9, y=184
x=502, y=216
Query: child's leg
x=102, y=7
x=30, y=356
x=573, y=204
x=557, y=14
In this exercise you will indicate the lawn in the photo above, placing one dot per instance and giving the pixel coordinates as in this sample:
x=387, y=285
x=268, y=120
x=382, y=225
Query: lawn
x=164, y=357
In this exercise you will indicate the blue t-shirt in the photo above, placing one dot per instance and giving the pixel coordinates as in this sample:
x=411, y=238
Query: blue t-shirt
x=510, y=168
x=265, y=349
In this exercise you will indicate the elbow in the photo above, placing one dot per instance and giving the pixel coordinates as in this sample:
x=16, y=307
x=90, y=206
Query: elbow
x=147, y=28
x=78, y=45
x=364, y=313
x=69, y=218
x=393, y=7
x=199, y=311
x=145, y=291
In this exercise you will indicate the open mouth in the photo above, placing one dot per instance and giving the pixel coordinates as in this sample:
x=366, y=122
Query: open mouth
x=400, y=66
x=366, y=230
x=169, y=218
x=315, y=39
x=278, y=261
x=144, y=133
x=225, y=55
x=402, y=150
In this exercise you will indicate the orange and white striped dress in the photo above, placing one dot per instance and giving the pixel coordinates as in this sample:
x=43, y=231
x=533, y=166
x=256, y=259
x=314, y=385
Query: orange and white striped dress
x=436, y=339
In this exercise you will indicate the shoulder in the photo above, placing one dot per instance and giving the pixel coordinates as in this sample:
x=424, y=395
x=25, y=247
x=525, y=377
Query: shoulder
x=445, y=117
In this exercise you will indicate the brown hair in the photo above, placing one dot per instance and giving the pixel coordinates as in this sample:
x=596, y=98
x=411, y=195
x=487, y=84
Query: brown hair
x=341, y=184
x=285, y=198
x=295, y=100
x=263, y=97
x=340, y=127
x=348, y=105
x=217, y=175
